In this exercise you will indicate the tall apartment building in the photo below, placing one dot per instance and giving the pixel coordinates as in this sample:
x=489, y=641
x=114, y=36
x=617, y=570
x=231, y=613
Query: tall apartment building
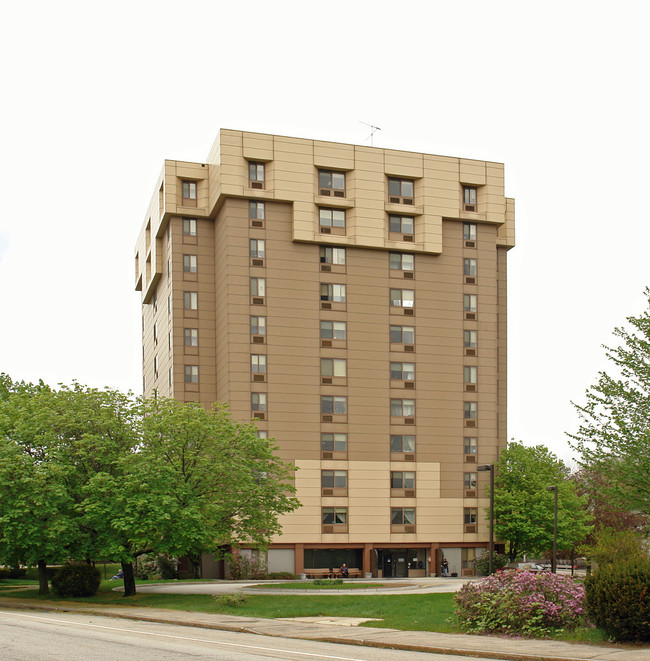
x=352, y=300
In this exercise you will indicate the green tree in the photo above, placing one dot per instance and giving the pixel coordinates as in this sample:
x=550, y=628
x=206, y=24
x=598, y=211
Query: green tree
x=524, y=509
x=223, y=485
x=89, y=473
x=610, y=546
x=614, y=435
x=38, y=524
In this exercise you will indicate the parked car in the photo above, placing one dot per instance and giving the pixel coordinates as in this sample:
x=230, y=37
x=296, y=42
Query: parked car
x=524, y=566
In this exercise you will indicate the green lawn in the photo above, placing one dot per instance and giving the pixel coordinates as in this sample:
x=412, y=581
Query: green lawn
x=408, y=612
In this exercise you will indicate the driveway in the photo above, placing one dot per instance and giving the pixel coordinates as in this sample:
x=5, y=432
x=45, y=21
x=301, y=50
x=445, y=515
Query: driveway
x=399, y=586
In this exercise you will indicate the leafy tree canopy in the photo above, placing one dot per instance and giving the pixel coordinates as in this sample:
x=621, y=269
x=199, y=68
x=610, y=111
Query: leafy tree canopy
x=614, y=434
x=524, y=509
x=88, y=473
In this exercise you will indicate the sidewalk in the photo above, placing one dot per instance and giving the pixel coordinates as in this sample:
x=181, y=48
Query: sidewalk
x=335, y=631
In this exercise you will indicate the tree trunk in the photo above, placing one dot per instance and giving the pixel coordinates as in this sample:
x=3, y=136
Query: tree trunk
x=43, y=587
x=129, y=579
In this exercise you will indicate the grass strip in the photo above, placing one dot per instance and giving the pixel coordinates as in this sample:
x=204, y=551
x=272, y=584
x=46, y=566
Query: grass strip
x=406, y=612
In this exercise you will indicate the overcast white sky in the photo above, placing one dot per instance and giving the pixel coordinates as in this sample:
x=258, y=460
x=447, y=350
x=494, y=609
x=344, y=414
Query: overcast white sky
x=95, y=96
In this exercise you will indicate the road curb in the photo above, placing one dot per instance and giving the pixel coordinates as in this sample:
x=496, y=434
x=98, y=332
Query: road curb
x=360, y=642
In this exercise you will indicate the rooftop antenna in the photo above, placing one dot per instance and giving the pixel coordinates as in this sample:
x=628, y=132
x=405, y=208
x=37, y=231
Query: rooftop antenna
x=372, y=133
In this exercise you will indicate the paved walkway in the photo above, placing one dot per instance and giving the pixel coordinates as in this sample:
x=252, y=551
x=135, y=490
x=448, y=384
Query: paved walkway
x=390, y=586
x=344, y=630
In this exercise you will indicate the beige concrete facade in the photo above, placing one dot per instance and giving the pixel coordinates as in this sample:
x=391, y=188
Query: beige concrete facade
x=331, y=289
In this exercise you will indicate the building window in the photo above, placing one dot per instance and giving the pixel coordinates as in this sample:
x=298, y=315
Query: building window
x=191, y=373
x=402, y=407
x=169, y=304
x=334, y=405
x=402, y=443
x=470, y=374
x=189, y=227
x=189, y=263
x=189, y=193
x=256, y=210
x=190, y=300
x=470, y=516
x=258, y=286
x=402, y=261
x=334, y=293
x=258, y=325
x=258, y=401
x=331, y=183
x=401, y=224
x=334, y=442
x=400, y=191
x=155, y=367
x=402, y=334
x=403, y=298
x=471, y=410
x=256, y=247
x=402, y=480
x=169, y=340
x=470, y=339
x=332, y=255
x=471, y=445
x=402, y=516
x=469, y=198
x=402, y=371
x=470, y=302
x=469, y=231
x=155, y=332
x=258, y=364
x=331, y=218
x=332, y=330
x=469, y=480
x=191, y=337
x=262, y=434
x=255, y=174
x=334, y=479
x=333, y=516
x=333, y=367
x=469, y=267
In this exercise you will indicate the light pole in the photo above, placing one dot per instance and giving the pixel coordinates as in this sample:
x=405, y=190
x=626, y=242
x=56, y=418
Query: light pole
x=554, y=559
x=490, y=467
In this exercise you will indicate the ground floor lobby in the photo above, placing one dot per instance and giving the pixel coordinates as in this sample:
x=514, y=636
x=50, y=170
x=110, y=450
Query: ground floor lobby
x=389, y=560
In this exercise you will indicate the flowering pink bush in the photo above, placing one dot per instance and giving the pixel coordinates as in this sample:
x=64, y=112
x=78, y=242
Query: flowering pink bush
x=520, y=603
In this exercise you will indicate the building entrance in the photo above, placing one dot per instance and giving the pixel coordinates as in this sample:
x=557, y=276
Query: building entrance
x=401, y=563
x=395, y=565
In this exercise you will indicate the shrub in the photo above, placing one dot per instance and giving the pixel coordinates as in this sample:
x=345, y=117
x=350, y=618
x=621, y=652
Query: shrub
x=618, y=599
x=499, y=560
x=231, y=600
x=156, y=567
x=245, y=566
x=76, y=580
x=520, y=603
x=328, y=581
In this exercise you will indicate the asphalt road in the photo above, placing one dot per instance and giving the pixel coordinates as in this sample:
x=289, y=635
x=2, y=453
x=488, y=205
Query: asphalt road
x=73, y=637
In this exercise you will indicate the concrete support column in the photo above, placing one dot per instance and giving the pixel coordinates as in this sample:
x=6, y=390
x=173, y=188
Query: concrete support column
x=299, y=559
x=367, y=567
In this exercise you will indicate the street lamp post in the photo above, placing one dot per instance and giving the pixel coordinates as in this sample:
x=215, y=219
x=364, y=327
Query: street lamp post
x=554, y=559
x=490, y=467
